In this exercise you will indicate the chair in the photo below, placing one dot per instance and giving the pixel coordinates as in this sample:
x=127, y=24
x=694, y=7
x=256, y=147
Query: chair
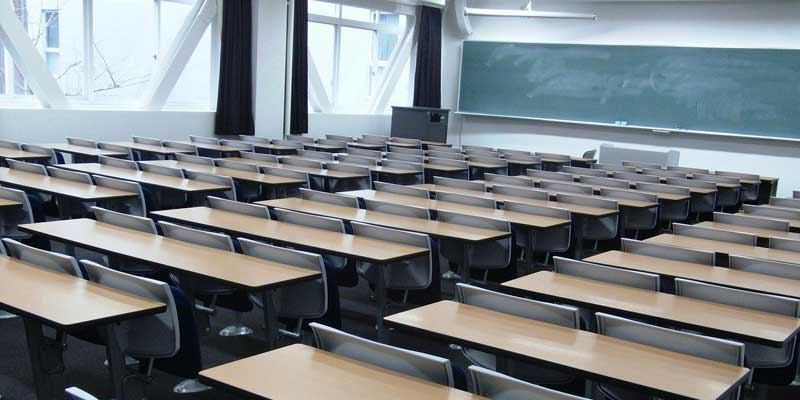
x=462, y=171
x=751, y=221
x=700, y=203
x=635, y=219
x=329, y=198
x=69, y=207
x=669, y=210
x=466, y=147
x=164, y=198
x=316, y=155
x=253, y=210
x=81, y=142
x=459, y=184
x=519, y=162
x=302, y=300
x=595, y=228
x=796, y=194
x=315, y=182
x=475, y=201
x=664, y=173
x=549, y=241
x=236, y=144
x=353, y=151
x=300, y=138
x=203, y=140
x=584, y=171
x=416, y=142
x=765, y=267
x=687, y=170
x=784, y=244
x=559, y=187
x=405, y=157
x=412, y=363
x=405, y=275
x=342, y=185
x=74, y=393
x=483, y=256
x=287, y=173
x=714, y=234
x=214, y=179
x=405, y=150
x=193, y=159
x=181, y=146
x=445, y=149
x=726, y=196
x=707, y=347
x=494, y=385
x=634, y=177
x=561, y=315
x=118, y=163
x=397, y=209
x=405, y=179
x=532, y=194
x=357, y=160
x=134, y=206
x=640, y=164
x=246, y=191
x=12, y=218
x=348, y=139
x=757, y=356
x=482, y=153
x=340, y=145
x=316, y=222
x=616, y=276
x=43, y=258
x=749, y=190
x=668, y=252
x=54, y=159
x=613, y=168
x=497, y=165
x=117, y=148
x=7, y=144
x=402, y=190
x=30, y=168
x=204, y=287
x=787, y=203
x=771, y=212
x=73, y=176
x=495, y=179
x=607, y=182
x=549, y=175
x=446, y=154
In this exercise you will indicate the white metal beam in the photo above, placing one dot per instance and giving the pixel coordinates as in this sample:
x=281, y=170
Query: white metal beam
x=397, y=61
x=28, y=59
x=171, y=65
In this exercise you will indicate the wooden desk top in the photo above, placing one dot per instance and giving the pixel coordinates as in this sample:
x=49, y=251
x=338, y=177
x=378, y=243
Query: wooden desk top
x=318, y=240
x=529, y=220
x=256, y=177
x=301, y=372
x=727, y=248
x=311, y=171
x=761, y=233
x=149, y=148
x=597, y=188
x=9, y=203
x=64, y=301
x=522, y=162
x=698, y=272
x=81, y=150
x=714, y=318
x=603, y=358
x=574, y=208
x=147, y=178
x=555, y=160
x=61, y=187
x=433, y=228
x=20, y=155
x=213, y=147
x=225, y=266
x=482, y=165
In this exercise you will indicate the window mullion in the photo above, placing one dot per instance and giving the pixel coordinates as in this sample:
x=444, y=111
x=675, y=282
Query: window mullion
x=337, y=45
x=88, y=49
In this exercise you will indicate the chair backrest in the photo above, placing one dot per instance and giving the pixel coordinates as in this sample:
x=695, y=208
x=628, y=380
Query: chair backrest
x=473, y=221
x=459, y=183
x=195, y=236
x=508, y=152
x=688, y=170
x=584, y=171
x=532, y=194
x=495, y=385
x=402, y=190
x=405, y=157
x=394, y=235
x=738, y=298
x=607, y=182
x=405, y=150
x=33, y=148
x=417, y=142
x=784, y=244
x=332, y=142
x=659, y=188
x=73, y=176
x=152, y=336
x=796, y=194
x=634, y=177
x=534, y=209
x=74, y=393
x=416, y=364
x=7, y=144
x=771, y=212
x=146, y=140
x=203, y=139
x=286, y=173
x=397, y=209
x=446, y=154
x=617, y=276
x=629, y=195
x=312, y=221
x=448, y=162
x=554, y=156
x=374, y=140
x=523, y=157
x=346, y=158
x=125, y=186
x=467, y=200
x=23, y=166
x=316, y=155
x=288, y=143
x=587, y=201
x=614, y=168
x=348, y=139
x=115, y=147
x=446, y=149
x=193, y=159
x=180, y=146
x=707, y=347
x=561, y=187
x=549, y=175
x=237, y=144
x=329, y=198
x=237, y=165
x=668, y=252
x=300, y=138
x=354, y=151
x=162, y=170
x=247, y=155
x=351, y=169
x=482, y=153
x=402, y=165
x=23, y=215
x=496, y=179
x=640, y=164
x=751, y=221
x=215, y=179
x=556, y=314
x=466, y=147
x=123, y=220
x=691, y=183
x=254, y=139
x=301, y=162
x=716, y=178
x=488, y=160
x=82, y=142
x=766, y=267
x=781, y=202
x=43, y=258
x=118, y=162
x=663, y=172
x=714, y=234
x=253, y=210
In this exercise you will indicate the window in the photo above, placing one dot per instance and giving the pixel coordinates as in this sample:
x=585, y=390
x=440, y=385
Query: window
x=352, y=48
x=50, y=22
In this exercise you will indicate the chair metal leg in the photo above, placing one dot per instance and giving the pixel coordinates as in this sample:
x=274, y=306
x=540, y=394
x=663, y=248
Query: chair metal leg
x=190, y=386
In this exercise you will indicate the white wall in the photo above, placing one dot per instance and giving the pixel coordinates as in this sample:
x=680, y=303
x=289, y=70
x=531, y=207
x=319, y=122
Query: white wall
x=768, y=24
x=269, y=54
x=348, y=124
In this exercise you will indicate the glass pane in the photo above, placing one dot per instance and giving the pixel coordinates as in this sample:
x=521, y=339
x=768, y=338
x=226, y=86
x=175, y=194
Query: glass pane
x=124, y=54
x=320, y=48
x=357, y=14
x=355, y=74
x=402, y=92
x=193, y=89
x=323, y=8
x=389, y=31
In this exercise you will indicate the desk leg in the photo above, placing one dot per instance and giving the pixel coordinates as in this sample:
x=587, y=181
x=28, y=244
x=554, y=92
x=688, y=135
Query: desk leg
x=464, y=274
x=530, y=259
x=578, y=237
x=380, y=299
x=270, y=319
x=116, y=363
x=41, y=379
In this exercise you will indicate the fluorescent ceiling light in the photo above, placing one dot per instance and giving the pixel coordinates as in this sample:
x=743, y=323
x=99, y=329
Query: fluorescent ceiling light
x=526, y=12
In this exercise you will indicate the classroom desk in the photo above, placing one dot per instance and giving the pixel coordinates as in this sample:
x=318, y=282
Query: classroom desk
x=146, y=178
x=369, y=146
x=712, y=318
x=726, y=248
x=379, y=169
x=760, y=233
x=794, y=224
x=404, y=145
x=324, y=147
x=622, y=202
x=600, y=358
x=272, y=148
x=9, y=204
x=20, y=155
x=300, y=372
x=340, y=244
x=66, y=303
x=81, y=151
x=698, y=272
x=321, y=173
x=433, y=228
x=255, y=177
x=152, y=149
x=214, y=147
x=60, y=187
x=597, y=188
x=186, y=259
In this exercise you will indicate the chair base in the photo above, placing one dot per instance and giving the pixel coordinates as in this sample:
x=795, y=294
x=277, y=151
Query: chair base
x=190, y=386
x=236, y=330
x=450, y=275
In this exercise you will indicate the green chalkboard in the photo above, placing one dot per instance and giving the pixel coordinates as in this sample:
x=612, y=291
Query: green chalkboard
x=741, y=91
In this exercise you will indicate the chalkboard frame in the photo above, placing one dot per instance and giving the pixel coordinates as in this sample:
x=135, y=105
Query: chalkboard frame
x=652, y=129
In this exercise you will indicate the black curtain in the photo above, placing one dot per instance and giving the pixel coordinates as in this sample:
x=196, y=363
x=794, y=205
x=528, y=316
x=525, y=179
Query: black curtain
x=235, y=95
x=299, y=118
x=428, y=69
